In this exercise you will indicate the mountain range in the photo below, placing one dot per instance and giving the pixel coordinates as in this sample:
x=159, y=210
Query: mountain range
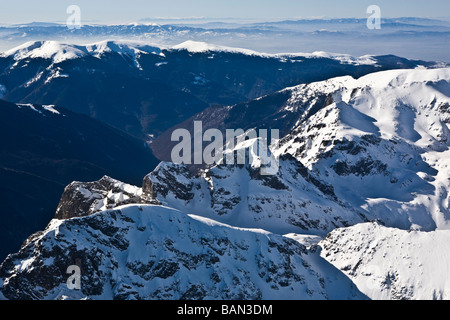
x=144, y=92
x=358, y=208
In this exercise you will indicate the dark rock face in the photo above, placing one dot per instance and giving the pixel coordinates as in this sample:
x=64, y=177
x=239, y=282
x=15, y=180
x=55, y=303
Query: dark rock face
x=85, y=198
x=169, y=178
x=363, y=167
x=300, y=169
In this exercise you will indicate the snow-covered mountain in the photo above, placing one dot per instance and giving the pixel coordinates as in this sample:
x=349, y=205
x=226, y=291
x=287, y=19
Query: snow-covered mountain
x=138, y=88
x=58, y=52
x=86, y=198
x=145, y=89
x=352, y=151
x=383, y=145
x=154, y=252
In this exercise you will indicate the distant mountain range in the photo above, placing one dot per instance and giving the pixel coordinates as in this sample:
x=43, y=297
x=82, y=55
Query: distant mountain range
x=145, y=90
x=398, y=36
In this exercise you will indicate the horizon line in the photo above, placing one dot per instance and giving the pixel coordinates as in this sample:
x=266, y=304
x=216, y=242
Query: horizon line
x=199, y=20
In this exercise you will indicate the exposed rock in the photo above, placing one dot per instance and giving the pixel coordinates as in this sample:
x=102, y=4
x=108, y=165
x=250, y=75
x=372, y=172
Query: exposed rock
x=85, y=198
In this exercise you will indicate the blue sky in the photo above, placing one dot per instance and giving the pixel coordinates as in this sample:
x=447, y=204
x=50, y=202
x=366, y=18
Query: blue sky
x=103, y=11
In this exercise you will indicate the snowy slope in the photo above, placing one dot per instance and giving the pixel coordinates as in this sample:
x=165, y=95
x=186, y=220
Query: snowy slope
x=154, y=252
x=54, y=50
x=59, y=52
x=387, y=263
x=382, y=143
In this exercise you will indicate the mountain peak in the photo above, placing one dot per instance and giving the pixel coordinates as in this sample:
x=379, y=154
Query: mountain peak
x=59, y=52
x=201, y=47
x=54, y=50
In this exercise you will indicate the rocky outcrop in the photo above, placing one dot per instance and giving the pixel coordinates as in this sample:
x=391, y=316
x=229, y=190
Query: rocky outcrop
x=85, y=198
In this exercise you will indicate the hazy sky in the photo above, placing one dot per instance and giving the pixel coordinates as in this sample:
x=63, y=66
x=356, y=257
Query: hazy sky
x=103, y=11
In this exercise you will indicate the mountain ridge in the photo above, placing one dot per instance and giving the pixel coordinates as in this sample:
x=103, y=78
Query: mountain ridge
x=145, y=90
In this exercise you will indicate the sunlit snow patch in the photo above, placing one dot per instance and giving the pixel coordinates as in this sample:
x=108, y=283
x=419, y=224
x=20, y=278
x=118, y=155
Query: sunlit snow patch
x=2, y=91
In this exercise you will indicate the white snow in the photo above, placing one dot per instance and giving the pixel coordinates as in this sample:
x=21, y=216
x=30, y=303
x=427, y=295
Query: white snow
x=343, y=58
x=25, y=265
x=387, y=263
x=408, y=111
x=128, y=188
x=54, y=50
x=86, y=193
x=51, y=108
x=212, y=223
x=59, y=52
x=132, y=48
x=36, y=78
x=54, y=73
x=304, y=239
x=28, y=105
x=45, y=108
x=2, y=91
x=202, y=47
